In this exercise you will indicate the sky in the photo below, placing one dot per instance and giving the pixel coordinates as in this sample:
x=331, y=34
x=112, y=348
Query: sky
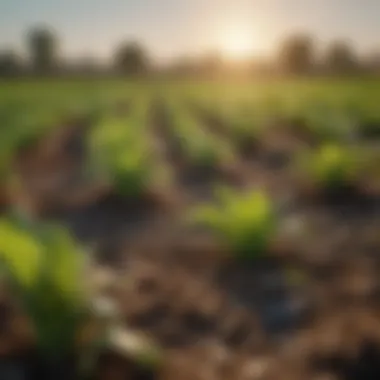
x=170, y=28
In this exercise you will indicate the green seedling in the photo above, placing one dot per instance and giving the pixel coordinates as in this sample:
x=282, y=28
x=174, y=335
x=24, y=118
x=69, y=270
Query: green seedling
x=245, y=222
x=131, y=172
x=120, y=154
x=46, y=272
x=331, y=166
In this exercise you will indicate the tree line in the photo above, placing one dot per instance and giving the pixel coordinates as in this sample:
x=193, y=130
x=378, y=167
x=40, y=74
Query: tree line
x=296, y=55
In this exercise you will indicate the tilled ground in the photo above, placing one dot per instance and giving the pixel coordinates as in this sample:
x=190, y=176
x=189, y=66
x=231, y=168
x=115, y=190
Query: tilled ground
x=312, y=311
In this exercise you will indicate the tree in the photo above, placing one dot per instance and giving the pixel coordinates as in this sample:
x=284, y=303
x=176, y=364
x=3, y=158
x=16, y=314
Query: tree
x=297, y=55
x=132, y=59
x=341, y=58
x=9, y=64
x=43, y=50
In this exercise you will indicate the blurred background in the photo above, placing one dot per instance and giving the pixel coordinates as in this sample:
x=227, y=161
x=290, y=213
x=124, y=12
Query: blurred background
x=189, y=38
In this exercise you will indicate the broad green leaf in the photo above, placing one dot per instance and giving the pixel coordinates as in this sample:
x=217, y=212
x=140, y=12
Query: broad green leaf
x=20, y=252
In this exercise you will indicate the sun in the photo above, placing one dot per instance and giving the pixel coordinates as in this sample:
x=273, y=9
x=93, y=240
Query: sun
x=237, y=47
x=237, y=44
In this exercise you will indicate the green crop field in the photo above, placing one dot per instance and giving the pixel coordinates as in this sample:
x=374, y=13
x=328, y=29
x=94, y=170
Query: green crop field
x=235, y=212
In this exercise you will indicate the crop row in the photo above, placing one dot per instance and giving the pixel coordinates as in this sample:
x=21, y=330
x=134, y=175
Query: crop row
x=45, y=268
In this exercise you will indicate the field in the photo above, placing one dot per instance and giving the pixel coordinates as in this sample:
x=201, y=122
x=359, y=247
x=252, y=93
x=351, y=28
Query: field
x=235, y=226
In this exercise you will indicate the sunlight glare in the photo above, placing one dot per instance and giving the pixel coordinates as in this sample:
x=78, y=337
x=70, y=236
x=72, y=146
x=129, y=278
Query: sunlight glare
x=238, y=44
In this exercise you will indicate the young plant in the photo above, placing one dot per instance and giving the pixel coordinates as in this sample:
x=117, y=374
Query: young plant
x=330, y=167
x=120, y=154
x=130, y=172
x=245, y=222
x=46, y=272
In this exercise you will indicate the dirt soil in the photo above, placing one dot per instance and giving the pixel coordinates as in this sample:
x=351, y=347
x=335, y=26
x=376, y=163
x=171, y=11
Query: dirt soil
x=309, y=311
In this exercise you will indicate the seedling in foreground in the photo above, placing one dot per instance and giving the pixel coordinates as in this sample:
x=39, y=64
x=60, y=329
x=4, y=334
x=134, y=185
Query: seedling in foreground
x=46, y=272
